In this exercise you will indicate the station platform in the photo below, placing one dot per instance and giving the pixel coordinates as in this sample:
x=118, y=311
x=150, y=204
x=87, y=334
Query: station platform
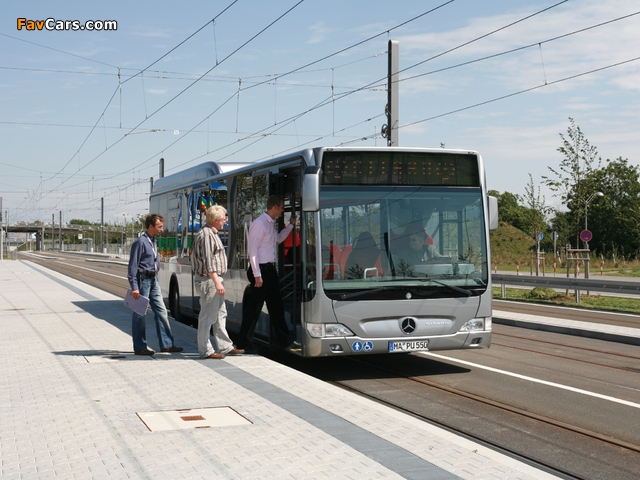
x=601, y=330
x=75, y=402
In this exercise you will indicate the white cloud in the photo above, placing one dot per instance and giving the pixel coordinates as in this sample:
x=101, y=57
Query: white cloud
x=553, y=60
x=318, y=32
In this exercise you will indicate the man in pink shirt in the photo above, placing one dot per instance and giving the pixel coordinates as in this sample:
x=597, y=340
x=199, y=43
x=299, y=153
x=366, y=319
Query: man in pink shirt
x=263, y=275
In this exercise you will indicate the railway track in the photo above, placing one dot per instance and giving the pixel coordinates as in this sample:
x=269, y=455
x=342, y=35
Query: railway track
x=85, y=269
x=566, y=346
x=558, y=447
x=515, y=453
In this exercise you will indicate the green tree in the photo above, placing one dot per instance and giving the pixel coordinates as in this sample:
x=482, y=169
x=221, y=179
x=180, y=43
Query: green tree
x=563, y=225
x=537, y=212
x=570, y=181
x=614, y=219
x=510, y=210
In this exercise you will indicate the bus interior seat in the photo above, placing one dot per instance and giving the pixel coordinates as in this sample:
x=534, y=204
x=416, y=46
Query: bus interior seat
x=333, y=267
x=365, y=254
x=288, y=247
x=344, y=255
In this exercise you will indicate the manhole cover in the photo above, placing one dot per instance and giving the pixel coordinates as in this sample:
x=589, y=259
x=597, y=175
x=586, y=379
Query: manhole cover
x=192, y=418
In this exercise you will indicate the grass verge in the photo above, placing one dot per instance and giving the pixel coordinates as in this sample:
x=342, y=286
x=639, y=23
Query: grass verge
x=551, y=297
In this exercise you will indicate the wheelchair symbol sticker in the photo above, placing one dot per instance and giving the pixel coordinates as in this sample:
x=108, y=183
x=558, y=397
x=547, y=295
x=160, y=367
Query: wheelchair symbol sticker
x=362, y=347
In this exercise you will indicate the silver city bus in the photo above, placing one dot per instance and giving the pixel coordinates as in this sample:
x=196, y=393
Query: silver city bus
x=390, y=253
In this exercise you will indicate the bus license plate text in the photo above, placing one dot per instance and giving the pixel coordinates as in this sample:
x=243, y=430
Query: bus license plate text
x=410, y=346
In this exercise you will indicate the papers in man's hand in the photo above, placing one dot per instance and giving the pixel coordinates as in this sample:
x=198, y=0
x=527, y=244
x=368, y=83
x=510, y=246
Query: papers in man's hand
x=139, y=306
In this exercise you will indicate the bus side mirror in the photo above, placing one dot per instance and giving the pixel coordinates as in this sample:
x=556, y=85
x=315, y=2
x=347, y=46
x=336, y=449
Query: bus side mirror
x=493, y=212
x=311, y=189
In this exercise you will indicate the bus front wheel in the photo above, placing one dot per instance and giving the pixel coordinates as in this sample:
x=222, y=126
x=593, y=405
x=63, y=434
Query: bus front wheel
x=174, y=300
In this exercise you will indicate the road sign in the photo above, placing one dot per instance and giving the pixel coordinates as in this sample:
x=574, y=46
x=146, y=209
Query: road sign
x=586, y=236
x=540, y=236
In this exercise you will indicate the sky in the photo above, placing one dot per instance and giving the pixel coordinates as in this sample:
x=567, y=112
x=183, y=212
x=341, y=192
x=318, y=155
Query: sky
x=85, y=116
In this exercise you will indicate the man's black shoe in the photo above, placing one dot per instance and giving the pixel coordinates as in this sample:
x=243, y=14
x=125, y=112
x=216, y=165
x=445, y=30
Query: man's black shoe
x=172, y=350
x=147, y=352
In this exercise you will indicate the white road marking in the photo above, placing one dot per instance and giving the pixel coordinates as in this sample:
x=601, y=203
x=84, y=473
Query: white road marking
x=535, y=380
x=90, y=269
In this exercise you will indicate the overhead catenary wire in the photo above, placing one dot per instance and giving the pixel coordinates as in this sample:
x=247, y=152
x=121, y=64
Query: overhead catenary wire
x=217, y=63
x=503, y=97
x=185, y=89
x=526, y=90
x=333, y=99
x=119, y=88
x=171, y=100
x=311, y=63
x=202, y=76
x=385, y=32
x=517, y=49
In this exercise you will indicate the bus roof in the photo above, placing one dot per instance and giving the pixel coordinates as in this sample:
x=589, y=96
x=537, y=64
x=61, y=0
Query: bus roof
x=193, y=175
x=198, y=174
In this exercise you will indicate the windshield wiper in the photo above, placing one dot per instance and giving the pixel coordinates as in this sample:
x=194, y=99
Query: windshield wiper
x=408, y=288
x=464, y=291
x=455, y=288
x=346, y=296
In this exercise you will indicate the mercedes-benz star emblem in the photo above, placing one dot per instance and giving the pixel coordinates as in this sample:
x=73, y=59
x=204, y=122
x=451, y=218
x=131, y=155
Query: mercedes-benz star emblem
x=408, y=325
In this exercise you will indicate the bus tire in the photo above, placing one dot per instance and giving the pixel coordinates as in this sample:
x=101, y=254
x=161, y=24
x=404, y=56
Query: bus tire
x=174, y=300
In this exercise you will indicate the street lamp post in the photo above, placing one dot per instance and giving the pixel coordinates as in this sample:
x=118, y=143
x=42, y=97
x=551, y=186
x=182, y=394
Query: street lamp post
x=586, y=244
x=93, y=245
x=586, y=206
x=124, y=231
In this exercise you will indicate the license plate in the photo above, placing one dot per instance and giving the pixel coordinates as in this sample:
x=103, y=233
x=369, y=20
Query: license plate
x=409, y=346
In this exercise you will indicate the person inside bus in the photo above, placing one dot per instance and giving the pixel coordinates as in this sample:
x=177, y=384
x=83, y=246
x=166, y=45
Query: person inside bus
x=209, y=265
x=144, y=264
x=419, y=247
x=263, y=275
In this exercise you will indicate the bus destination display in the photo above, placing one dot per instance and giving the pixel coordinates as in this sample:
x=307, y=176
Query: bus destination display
x=402, y=168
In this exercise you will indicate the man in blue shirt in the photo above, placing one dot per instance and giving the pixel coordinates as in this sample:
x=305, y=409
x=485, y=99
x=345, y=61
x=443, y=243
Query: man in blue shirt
x=144, y=263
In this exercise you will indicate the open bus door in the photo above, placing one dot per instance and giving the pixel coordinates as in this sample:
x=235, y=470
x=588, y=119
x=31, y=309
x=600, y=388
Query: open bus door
x=284, y=181
x=287, y=184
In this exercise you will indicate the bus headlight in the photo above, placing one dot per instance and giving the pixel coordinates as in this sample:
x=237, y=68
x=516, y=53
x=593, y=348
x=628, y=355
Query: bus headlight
x=319, y=330
x=337, y=330
x=477, y=325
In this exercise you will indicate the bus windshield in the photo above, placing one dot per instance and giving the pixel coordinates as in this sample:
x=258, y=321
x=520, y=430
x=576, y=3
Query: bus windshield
x=385, y=242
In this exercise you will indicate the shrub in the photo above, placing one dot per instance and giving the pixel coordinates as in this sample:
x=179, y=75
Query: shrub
x=542, y=293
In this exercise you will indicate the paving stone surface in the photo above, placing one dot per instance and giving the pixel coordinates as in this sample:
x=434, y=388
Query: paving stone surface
x=71, y=391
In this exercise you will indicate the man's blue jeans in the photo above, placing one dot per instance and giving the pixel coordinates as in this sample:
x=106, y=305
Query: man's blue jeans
x=150, y=288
